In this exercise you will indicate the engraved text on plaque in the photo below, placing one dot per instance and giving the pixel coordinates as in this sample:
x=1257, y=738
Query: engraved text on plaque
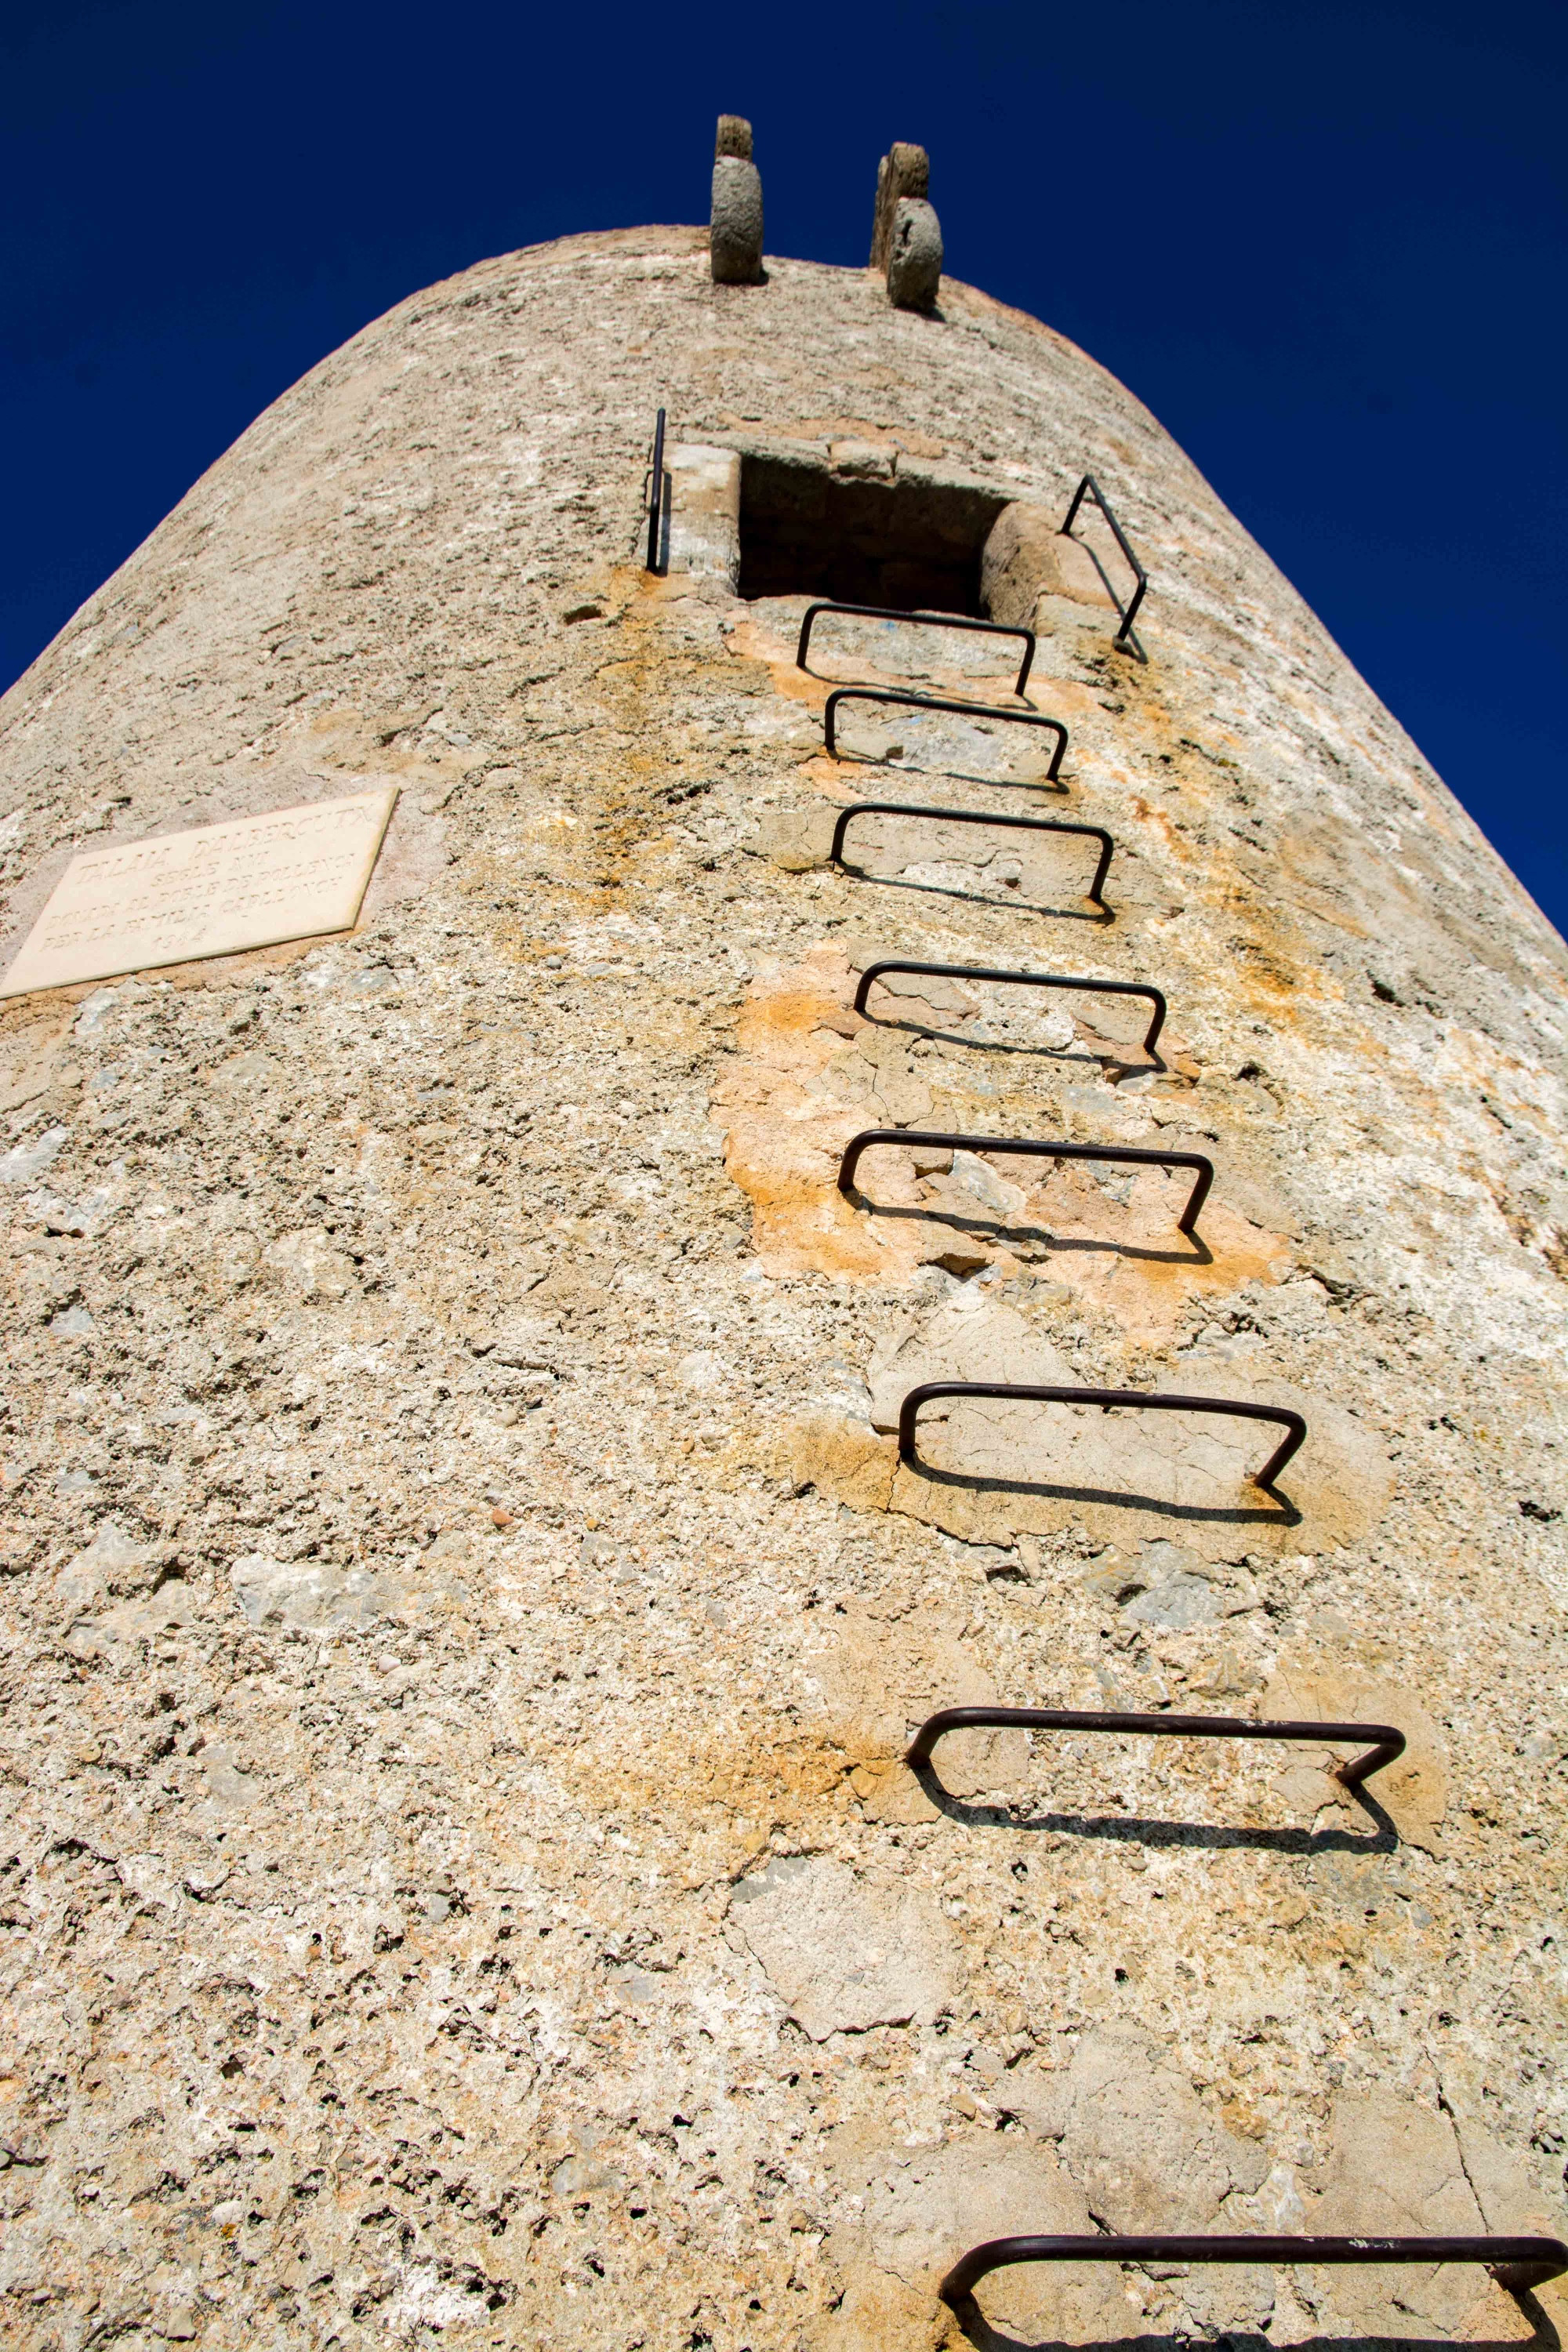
x=223, y=887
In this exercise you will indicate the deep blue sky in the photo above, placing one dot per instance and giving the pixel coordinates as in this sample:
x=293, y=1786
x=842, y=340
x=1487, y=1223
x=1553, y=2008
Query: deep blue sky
x=1324, y=243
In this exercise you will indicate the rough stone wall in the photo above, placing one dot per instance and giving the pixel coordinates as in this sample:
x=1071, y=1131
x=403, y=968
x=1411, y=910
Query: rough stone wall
x=462, y=1615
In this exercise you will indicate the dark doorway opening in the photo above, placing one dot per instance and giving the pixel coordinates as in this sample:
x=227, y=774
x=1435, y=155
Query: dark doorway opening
x=911, y=544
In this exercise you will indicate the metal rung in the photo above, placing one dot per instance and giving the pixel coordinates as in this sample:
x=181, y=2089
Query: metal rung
x=977, y=816
x=1118, y=1153
x=907, y=700
x=1022, y=980
x=1387, y=1743
x=926, y=620
x=655, y=491
x=1124, y=639
x=1518, y=2263
x=1022, y=1393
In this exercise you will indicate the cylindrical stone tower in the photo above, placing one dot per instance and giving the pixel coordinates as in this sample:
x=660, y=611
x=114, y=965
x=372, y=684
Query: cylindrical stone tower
x=466, y=1607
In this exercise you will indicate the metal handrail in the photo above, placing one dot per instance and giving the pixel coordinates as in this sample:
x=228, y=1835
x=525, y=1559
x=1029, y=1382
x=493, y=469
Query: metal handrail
x=1388, y=1744
x=1024, y=979
x=1129, y=613
x=909, y=700
x=1027, y=1392
x=656, y=491
x=1135, y=1154
x=1518, y=2263
x=930, y=619
x=978, y=816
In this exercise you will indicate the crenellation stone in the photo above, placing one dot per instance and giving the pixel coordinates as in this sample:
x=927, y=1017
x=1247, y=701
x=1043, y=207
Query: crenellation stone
x=904, y=171
x=735, y=220
x=914, y=255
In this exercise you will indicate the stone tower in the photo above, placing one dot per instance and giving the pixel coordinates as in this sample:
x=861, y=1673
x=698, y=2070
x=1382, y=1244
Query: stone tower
x=465, y=1608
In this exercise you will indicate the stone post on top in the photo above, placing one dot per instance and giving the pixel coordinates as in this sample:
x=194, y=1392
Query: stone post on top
x=906, y=236
x=735, y=232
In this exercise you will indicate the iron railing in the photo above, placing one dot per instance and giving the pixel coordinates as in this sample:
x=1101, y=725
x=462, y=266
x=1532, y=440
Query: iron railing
x=655, y=492
x=1124, y=639
x=1387, y=1743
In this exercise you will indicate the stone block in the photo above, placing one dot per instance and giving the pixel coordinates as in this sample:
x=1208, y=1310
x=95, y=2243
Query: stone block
x=914, y=255
x=704, y=511
x=735, y=229
x=1026, y=557
x=733, y=137
x=1134, y=2132
x=924, y=2208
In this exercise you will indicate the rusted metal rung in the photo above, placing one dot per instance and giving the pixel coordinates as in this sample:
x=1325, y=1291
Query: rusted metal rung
x=977, y=816
x=1387, y=1742
x=1518, y=2263
x=1129, y=1154
x=1027, y=1393
x=926, y=620
x=906, y=700
x=1022, y=980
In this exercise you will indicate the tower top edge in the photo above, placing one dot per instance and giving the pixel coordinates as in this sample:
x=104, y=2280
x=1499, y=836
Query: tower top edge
x=681, y=240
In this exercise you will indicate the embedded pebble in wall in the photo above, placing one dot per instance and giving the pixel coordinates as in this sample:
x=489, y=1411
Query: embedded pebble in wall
x=735, y=234
x=914, y=255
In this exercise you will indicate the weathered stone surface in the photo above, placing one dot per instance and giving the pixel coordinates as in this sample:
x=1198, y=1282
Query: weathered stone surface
x=735, y=229
x=1414, y=1788
x=843, y=1954
x=795, y=839
x=733, y=137
x=1134, y=2133
x=914, y=255
x=481, y=1281
x=1397, y=2168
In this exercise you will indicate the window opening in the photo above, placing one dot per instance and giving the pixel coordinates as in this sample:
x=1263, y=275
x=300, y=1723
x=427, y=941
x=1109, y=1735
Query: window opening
x=903, y=542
